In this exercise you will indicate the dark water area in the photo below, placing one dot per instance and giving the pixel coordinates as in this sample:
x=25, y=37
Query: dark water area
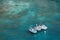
x=17, y=16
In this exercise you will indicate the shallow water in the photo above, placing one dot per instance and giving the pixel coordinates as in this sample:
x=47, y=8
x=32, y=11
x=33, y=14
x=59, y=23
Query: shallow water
x=16, y=17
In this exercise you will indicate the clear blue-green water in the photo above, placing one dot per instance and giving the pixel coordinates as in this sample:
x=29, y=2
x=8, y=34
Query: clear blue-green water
x=16, y=17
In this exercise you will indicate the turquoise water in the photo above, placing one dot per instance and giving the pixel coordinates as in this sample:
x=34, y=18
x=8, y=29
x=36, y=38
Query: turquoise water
x=16, y=17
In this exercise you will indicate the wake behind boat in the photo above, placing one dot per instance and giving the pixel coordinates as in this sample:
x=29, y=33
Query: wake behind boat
x=37, y=28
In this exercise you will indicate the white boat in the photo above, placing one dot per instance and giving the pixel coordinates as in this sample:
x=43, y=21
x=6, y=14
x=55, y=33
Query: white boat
x=32, y=30
x=37, y=28
x=43, y=27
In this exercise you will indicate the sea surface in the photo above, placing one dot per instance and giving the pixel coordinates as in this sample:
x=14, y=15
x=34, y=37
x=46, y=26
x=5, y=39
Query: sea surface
x=17, y=16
